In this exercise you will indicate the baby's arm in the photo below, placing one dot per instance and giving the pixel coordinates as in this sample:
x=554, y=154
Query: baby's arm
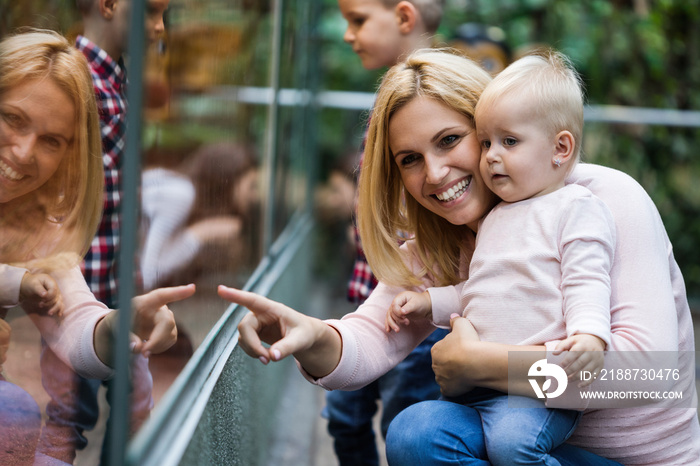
x=39, y=292
x=585, y=354
x=408, y=304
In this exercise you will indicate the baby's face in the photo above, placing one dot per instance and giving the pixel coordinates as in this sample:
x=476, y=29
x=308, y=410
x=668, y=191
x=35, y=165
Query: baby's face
x=373, y=32
x=518, y=152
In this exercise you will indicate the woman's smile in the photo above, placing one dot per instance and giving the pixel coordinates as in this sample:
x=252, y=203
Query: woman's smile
x=454, y=192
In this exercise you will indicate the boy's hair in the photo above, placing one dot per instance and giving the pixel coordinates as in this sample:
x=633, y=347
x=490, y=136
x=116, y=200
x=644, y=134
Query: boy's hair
x=84, y=6
x=550, y=81
x=72, y=198
x=385, y=213
x=430, y=11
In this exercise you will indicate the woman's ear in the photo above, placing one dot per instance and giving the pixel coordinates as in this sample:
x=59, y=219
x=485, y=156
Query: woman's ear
x=406, y=16
x=564, y=148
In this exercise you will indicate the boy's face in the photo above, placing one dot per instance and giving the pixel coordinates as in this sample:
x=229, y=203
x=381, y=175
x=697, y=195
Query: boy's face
x=373, y=32
x=517, y=151
x=155, y=9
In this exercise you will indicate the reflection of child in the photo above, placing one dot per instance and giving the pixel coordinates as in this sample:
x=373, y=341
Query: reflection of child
x=545, y=240
x=194, y=217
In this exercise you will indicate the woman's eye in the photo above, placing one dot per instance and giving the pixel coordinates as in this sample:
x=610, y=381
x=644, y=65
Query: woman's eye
x=51, y=142
x=408, y=159
x=11, y=119
x=448, y=140
x=510, y=141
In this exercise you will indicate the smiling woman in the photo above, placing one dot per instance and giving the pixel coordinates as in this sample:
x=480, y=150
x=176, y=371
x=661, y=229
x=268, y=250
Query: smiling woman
x=50, y=202
x=37, y=127
x=49, y=139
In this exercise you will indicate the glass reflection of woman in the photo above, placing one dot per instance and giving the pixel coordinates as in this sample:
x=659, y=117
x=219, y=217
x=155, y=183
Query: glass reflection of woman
x=50, y=204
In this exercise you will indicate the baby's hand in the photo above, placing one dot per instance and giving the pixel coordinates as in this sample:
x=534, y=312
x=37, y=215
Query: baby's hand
x=408, y=303
x=586, y=354
x=39, y=293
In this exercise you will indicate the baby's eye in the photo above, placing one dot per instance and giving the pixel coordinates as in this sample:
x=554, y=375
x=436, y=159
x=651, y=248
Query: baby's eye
x=510, y=141
x=486, y=144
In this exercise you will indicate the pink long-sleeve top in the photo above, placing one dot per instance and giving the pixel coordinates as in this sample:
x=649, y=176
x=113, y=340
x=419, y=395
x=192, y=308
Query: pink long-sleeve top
x=649, y=312
x=540, y=271
x=71, y=336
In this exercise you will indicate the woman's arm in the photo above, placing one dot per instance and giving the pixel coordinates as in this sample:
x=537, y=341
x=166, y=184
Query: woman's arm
x=460, y=363
x=336, y=354
x=83, y=336
x=316, y=345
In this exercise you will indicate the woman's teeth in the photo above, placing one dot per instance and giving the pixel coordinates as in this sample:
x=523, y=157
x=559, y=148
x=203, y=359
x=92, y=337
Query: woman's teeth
x=454, y=192
x=8, y=172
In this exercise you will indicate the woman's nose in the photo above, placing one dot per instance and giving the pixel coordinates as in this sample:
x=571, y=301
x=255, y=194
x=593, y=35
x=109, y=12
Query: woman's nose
x=435, y=170
x=23, y=148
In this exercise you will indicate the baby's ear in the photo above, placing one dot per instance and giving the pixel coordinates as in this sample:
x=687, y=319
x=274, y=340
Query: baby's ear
x=564, y=148
x=406, y=16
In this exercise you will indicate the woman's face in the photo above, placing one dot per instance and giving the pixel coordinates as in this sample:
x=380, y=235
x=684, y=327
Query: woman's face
x=437, y=153
x=37, y=122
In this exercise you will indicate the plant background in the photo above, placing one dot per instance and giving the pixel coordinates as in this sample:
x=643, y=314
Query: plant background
x=637, y=53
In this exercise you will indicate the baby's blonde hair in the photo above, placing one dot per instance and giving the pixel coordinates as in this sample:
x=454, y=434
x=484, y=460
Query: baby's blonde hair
x=553, y=87
x=385, y=212
x=68, y=207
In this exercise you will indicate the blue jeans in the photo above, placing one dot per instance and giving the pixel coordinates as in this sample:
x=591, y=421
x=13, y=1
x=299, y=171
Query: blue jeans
x=20, y=425
x=350, y=413
x=444, y=432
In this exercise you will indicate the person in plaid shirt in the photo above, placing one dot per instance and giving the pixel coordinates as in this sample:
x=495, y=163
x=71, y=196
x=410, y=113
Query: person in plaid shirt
x=104, y=42
x=380, y=32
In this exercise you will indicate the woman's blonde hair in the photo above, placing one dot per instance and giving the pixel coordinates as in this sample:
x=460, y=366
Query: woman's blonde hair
x=386, y=214
x=68, y=206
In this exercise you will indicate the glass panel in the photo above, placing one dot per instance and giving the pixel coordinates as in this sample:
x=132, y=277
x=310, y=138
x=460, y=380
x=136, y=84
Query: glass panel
x=204, y=150
x=205, y=141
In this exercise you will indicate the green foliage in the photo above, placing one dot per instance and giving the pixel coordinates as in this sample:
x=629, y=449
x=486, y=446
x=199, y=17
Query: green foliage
x=639, y=53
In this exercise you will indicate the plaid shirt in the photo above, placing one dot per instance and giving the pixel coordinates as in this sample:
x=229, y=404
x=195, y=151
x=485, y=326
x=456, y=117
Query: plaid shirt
x=362, y=281
x=109, y=81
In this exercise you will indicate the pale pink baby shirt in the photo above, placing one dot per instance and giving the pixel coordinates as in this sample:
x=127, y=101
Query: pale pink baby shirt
x=540, y=271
